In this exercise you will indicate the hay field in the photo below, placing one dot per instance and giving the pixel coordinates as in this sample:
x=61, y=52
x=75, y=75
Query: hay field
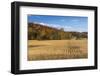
x=57, y=49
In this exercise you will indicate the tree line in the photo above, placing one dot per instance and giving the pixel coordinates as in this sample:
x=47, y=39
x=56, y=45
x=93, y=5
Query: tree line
x=43, y=32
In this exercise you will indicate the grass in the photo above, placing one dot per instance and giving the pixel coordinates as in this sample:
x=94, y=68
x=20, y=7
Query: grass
x=57, y=49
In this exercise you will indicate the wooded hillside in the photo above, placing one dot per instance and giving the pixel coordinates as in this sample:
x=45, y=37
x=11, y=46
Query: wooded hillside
x=43, y=32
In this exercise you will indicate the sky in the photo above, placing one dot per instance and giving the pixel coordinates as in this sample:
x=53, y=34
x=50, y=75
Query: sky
x=68, y=23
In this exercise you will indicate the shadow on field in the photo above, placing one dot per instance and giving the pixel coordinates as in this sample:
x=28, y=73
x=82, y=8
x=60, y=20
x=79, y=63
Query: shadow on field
x=31, y=46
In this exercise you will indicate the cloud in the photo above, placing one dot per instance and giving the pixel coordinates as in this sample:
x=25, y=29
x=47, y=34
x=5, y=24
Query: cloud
x=43, y=23
x=74, y=29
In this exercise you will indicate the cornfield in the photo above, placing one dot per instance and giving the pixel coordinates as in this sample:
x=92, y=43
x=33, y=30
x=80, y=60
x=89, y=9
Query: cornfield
x=57, y=49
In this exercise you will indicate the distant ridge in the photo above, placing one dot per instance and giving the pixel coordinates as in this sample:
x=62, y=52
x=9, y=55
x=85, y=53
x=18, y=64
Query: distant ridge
x=43, y=25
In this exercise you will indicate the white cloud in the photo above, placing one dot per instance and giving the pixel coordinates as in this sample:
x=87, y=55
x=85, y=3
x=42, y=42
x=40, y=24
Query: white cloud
x=74, y=29
x=43, y=23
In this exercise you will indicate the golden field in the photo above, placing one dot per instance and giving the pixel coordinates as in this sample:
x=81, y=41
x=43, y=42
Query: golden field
x=57, y=49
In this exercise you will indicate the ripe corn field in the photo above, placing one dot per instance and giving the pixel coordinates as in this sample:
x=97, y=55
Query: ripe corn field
x=57, y=49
